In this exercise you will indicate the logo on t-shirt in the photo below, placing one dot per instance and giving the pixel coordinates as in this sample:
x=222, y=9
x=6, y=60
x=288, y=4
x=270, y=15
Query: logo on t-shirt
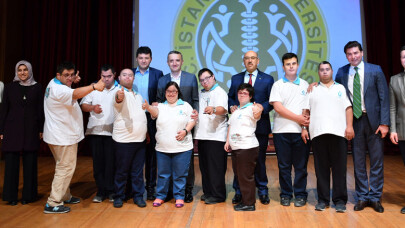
x=47, y=92
x=340, y=94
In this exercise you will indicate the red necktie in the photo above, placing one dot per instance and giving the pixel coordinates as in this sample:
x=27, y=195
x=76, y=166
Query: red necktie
x=250, y=79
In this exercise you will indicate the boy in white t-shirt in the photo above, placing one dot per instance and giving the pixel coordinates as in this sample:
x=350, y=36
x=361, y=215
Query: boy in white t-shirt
x=63, y=130
x=287, y=97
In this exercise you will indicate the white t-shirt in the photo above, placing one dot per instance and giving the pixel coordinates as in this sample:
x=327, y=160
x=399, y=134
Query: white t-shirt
x=327, y=110
x=102, y=123
x=170, y=120
x=242, y=126
x=292, y=96
x=130, y=124
x=212, y=127
x=63, y=116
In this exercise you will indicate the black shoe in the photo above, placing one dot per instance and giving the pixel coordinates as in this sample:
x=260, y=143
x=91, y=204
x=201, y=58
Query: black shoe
x=403, y=210
x=243, y=207
x=118, y=203
x=321, y=206
x=150, y=194
x=24, y=202
x=140, y=202
x=300, y=202
x=12, y=203
x=212, y=200
x=376, y=205
x=360, y=205
x=285, y=201
x=56, y=210
x=340, y=208
x=237, y=199
x=203, y=197
x=73, y=200
x=264, y=199
x=188, y=198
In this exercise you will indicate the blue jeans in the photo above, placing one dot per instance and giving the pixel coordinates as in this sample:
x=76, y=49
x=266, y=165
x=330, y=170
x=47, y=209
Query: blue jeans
x=175, y=164
x=292, y=151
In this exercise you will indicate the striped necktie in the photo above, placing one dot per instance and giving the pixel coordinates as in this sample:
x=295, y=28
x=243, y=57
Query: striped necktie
x=356, y=94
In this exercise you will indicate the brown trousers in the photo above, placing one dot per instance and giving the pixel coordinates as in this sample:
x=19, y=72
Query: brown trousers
x=65, y=158
x=243, y=164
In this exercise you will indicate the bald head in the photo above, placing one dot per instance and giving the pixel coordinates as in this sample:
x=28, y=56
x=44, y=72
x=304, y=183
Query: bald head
x=251, y=60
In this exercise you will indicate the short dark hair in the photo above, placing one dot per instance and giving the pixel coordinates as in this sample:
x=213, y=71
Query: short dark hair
x=249, y=88
x=324, y=62
x=174, y=52
x=107, y=67
x=289, y=55
x=352, y=44
x=66, y=65
x=402, y=49
x=205, y=70
x=144, y=50
x=172, y=83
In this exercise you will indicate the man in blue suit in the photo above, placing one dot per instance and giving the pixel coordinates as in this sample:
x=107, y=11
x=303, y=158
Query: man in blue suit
x=146, y=83
x=189, y=89
x=262, y=84
x=367, y=89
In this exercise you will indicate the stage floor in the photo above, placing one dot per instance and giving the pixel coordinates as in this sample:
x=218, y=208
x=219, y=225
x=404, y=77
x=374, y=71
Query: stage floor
x=197, y=214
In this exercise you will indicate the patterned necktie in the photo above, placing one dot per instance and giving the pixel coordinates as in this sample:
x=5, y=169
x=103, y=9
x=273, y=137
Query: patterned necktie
x=356, y=95
x=250, y=79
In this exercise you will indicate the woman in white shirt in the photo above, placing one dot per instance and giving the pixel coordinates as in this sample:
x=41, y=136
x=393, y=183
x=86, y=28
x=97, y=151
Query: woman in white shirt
x=174, y=143
x=242, y=140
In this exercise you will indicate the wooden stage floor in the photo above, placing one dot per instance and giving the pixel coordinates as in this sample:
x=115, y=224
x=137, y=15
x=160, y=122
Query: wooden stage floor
x=197, y=214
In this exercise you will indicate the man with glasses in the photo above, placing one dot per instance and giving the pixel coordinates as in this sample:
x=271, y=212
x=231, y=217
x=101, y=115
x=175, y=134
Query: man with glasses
x=262, y=84
x=189, y=89
x=63, y=130
x=211, y=130
x=99, y=131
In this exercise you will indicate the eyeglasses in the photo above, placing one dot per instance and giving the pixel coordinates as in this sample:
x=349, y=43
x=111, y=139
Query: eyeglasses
x=68, y=75
x=250, y=57
x=172, y=91
x=243, y=93
x=205, y=79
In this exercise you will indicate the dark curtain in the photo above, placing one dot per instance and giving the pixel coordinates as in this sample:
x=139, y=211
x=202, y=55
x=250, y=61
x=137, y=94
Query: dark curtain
x=385, y=35
x=89, y=33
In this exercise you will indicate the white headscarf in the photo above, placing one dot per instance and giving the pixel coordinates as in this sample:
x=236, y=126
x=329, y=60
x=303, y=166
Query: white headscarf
x=30, y=81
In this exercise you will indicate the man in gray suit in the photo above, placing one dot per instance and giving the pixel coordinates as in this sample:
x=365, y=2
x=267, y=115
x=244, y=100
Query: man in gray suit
x=367, y=89
x=397, y=109
x=189, y=89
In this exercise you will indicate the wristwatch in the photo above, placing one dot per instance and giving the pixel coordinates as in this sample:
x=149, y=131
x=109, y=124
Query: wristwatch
x=304, y=128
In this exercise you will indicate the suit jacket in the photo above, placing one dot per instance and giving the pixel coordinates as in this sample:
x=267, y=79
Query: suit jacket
x=262, y=89
x=375, y=93
x=188, y=88
x=21, y=122
x=154, y=75
x=397, y=105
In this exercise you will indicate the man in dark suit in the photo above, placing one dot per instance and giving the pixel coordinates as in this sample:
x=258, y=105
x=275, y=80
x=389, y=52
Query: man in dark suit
x=262, y=84
x=146, y=83
x=189, y=89
x=367, y=89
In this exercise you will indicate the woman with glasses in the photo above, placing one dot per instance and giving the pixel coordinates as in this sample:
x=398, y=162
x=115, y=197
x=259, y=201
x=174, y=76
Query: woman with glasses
x=241, y=139
x=174, y=143
x=21, y=125
x=211, y=132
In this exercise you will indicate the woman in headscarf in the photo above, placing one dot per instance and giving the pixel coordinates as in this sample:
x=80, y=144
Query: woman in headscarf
x=21, y=124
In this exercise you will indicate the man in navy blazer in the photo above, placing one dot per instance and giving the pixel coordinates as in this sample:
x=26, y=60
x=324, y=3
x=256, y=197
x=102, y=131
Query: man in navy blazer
x=189, y=89
x=370, y=125
x=262, y=84
x=146, y=83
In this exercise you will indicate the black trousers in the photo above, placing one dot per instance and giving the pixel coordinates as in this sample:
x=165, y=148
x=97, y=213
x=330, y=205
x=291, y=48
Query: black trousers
x=12, y=173
x=213, y=163
x=401, y=145
x=102, y=148
x=330, y=153
x=150, y=156
x=243, y=165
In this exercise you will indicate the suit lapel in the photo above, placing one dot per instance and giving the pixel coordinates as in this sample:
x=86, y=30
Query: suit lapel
x=259, y=79
x=366, y=78
x=401, y=85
